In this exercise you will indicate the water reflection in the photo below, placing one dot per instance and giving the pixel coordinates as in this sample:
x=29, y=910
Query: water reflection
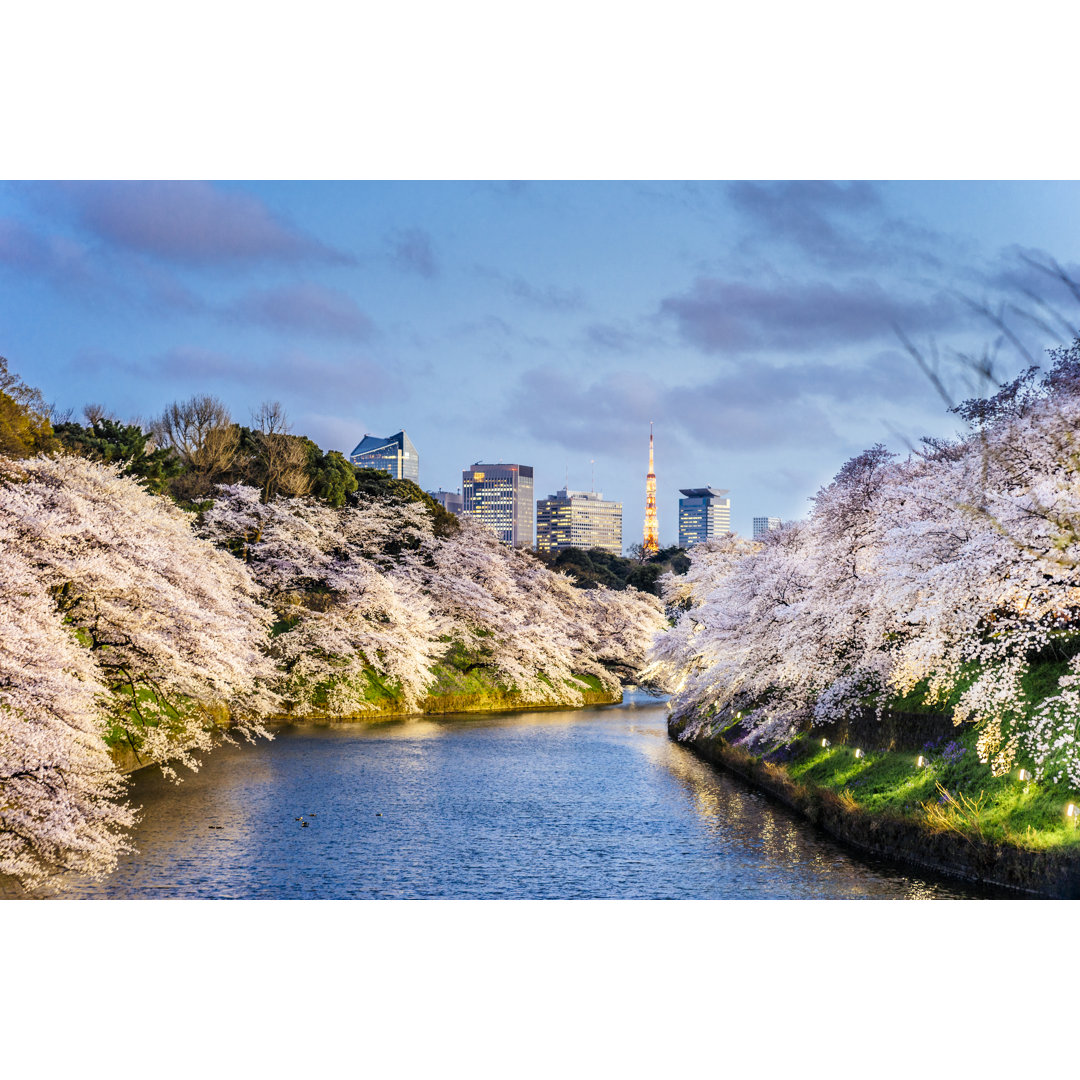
x=746, y=823
x=593, y=803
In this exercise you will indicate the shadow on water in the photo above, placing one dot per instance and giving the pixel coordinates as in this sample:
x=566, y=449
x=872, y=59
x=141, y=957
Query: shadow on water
x=552, y=804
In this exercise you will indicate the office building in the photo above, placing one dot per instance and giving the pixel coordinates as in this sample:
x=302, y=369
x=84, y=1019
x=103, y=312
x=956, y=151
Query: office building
x=578, y=519
x=762, y=525
x=500, y=496
x=395, y=454
x=451, y=501
x=704, y=514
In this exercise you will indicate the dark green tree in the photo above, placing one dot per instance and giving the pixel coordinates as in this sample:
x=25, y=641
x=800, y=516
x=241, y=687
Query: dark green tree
x=333, y=479
x=109, y=440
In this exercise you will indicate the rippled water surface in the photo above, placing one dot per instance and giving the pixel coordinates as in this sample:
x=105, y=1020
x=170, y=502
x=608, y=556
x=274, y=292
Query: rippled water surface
x=584, y=803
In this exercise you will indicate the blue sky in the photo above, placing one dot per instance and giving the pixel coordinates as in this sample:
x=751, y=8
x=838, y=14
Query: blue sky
x=545, y=323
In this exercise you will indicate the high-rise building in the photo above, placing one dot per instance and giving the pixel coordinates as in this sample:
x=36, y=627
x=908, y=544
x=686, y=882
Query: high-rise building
x=395, y=454
x=578, y=519
x=651, y=544
x=452, y=501
x=762, y=525
x=500, y=496
x=703, y=515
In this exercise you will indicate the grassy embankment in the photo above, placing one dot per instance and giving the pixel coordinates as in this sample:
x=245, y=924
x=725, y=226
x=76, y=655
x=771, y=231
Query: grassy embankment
x=954, y=793
x=460, y=683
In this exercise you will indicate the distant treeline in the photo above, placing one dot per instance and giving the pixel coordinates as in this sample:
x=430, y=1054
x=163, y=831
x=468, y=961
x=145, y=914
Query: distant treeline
x=596, y=566
x=195, y=445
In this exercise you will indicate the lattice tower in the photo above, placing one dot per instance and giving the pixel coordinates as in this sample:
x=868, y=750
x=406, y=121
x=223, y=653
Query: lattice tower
x=652, y=530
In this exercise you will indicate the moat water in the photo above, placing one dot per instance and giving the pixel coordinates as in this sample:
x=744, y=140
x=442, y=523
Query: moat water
x=579, y=803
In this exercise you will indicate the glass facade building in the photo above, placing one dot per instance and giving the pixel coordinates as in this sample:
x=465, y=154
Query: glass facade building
x=452, y=501
x=578, y=519
x=500, y=496
x=395, y=454
x=704, y=514
x=762, y=525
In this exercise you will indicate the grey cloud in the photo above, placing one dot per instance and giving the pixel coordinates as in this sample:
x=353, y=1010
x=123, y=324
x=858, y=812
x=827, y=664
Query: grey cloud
x=319, y=382
x=610, y=413
x=411, y=250
x=305, y=309
x=546, y=297
x=550, y=297
x=63, y=261
x=1047, y=290
x=514, y=189
x=842, y=226
x=189, y=222
x=758, y=403
x=733, y=316
x=606, y=336
x=802, y=213
x=492, y=324
x=298, y=375
x=618, y=338
x=753, y=404
x=93, y=276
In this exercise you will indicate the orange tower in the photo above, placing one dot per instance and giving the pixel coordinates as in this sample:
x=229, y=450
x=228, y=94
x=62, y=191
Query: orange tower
x=652, y=531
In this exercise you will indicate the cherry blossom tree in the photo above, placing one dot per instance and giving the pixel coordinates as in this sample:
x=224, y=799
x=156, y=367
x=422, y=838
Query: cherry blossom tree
x=953, y=571
x=61, y=797
x=338, y=612
x=371, y=588
x=175, y=626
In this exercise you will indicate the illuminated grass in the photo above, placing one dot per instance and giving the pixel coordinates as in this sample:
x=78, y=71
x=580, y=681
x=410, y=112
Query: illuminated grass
x=1029, y=814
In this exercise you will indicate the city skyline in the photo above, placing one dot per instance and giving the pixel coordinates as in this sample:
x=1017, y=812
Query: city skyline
x=397, y=455
x=755, y=322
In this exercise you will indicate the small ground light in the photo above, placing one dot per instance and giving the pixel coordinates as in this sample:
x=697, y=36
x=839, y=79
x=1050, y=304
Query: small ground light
x=825, y=742
x=858, y=753
x=921, y=763
x=1072, y=812
x=1024, y=775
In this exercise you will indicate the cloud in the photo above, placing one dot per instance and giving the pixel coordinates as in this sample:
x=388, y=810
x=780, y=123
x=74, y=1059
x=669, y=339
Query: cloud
x=300, y=380
x=411, y=250
x=763, y=404
x=330, y=431
x=1041, y=287
x=549, y=297
x=488, y=326
x=734, y=316
x=619, y=337
x=607, y=415
x=842, y=226
x=63, y=261
x=187, y=222
x=546, y=297
x=289, y=376
x=754, y=404
x=305, y=309
x=802, y=213
x=71, y=267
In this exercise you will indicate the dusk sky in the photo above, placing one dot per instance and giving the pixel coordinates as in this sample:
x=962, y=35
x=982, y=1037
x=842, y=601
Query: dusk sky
x=539, y=323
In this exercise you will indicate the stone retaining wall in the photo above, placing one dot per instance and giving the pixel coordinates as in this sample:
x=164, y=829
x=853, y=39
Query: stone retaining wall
x=1051, y=875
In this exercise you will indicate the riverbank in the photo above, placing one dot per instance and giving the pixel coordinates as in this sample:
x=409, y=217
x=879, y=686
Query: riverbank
x=454, y=692
x=879, y=800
